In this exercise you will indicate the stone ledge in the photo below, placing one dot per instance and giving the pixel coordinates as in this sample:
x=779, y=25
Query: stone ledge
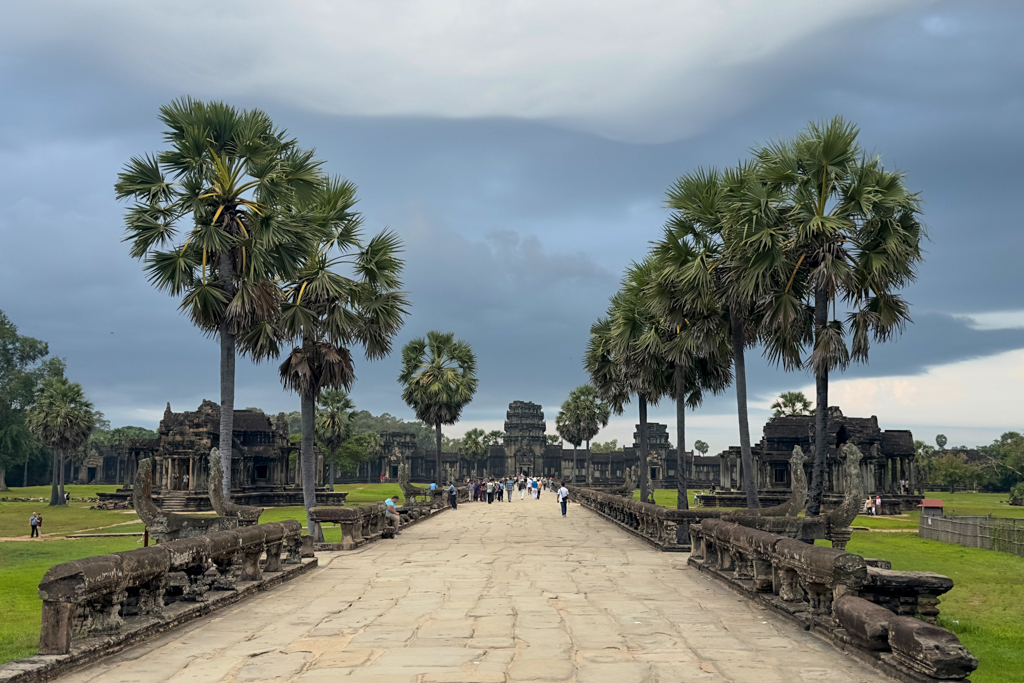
x=883, y=662
x=137, y=629
x=321, y=547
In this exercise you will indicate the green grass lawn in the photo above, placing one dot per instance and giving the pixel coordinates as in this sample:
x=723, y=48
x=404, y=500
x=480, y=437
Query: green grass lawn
x=22, y=565
x=986, y=606
x=59, y=520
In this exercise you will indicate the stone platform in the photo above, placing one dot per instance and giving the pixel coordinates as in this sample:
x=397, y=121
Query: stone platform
x=501, y=592
x=180, y=501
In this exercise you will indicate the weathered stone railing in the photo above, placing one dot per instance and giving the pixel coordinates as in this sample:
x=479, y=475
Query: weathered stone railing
x=667, y=529
x=867, y=610
x=368, y=523
x=96, y=595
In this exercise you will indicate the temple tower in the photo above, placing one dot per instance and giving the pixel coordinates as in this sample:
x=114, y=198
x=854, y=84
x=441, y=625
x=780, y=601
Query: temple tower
x=524, y=437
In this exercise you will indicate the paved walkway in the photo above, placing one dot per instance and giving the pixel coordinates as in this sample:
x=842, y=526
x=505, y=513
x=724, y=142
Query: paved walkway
x=502, y=592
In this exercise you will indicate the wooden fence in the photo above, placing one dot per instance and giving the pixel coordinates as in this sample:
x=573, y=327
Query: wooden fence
x=990, y=533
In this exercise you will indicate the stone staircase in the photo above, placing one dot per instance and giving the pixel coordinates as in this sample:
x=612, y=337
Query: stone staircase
x=174, y=501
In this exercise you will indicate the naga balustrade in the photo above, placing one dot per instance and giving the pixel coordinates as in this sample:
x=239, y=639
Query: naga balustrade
x=665, y=528
x=95, y=595
x=367, y=523
x=874, y=610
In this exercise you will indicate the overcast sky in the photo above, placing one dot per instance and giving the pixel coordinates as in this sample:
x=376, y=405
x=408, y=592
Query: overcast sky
x=522, y=152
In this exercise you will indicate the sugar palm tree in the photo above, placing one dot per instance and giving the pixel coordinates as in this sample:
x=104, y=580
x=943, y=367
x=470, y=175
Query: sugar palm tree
x=62, y=419
x=208, y=219
x=591, y=414
x=324, y=312
x=438, y=380
x=567, y=423
x=474, y=449
x=697, y=282
x=851, y=234
x=791, y=404
x=333, y=425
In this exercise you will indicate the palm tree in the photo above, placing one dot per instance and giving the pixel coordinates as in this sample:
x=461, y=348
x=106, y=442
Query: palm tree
x=333, y=425
x=438, y=379
x=697, y=284
x=474, y=448
x=591, y=415
x=62, y=419
x=851, y=233
x=791, y=404
x=567, y=422
x=208, y=220
x=325, y=312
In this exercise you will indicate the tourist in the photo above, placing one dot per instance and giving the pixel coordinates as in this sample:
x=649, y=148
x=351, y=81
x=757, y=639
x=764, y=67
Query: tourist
x=184, y=482
x=878, y=505
x=509, y=487
x=536, y=485
x=563, y=497
x=67, y=497
x=392, y=515
x=34, y=521
x=522, y=487
x=453, y=495
x=500, y=490
x=490, y=491
x=433, y=486
x=536, y=489
x=869, y=506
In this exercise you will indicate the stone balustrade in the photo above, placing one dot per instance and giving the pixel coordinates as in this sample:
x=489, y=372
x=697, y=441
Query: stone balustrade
x=96, y=595
x=870, y=610
x=367, y=523
x=664, y=528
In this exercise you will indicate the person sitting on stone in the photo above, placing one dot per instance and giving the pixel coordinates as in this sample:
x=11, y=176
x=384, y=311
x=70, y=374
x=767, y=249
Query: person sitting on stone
x=391, y=513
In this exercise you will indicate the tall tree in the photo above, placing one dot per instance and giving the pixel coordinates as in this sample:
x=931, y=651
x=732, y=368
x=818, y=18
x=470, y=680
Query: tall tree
x=696, y=284
x=62, y=419
x=940, y=441
x=438, y=380
x=473, y=448
x=209, y=218
x=325, y=312
x=23, y=367
x=851, y=233
x=791, y=404
x=333, y=426
x=568, y=425
x=591, y=416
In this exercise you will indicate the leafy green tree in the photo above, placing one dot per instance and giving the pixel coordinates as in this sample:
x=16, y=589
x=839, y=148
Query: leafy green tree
x=701, y=447
x=359, y=449
x=210, y=216
x=951, y=469
x=325, y=312
x=850, y=232
x=553, y=439
x=23, y=367
x=791, y=404
x=333, y=426
x=62, y=419
x=438, y=380
x=591, y=415
x=606, y=447
x=941, y=441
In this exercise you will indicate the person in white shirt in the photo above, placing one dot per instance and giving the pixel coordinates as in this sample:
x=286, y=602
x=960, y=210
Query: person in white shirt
x=563, y=497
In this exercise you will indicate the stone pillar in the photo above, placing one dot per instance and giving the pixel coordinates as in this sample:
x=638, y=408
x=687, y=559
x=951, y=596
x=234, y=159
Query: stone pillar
x=913, y=483
x=723, y=472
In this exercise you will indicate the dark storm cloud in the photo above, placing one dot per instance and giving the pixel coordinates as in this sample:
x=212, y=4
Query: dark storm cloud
x=516, y=232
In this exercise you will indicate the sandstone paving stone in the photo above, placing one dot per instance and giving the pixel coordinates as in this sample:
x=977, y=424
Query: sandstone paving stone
x=462, y=598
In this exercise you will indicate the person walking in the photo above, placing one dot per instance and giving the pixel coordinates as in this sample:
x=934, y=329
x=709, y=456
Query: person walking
x=537, y=484
x=453, y=496
x=499, y=489
x=391, y=513
x=536, y=490
x=878, y=505
x=509, y=487
x=490, y=491
x=34, y=522
x=563, y=497
x=522, y=487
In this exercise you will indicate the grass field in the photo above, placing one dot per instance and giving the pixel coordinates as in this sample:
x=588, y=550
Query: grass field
x=986, y=606
x=59, y=520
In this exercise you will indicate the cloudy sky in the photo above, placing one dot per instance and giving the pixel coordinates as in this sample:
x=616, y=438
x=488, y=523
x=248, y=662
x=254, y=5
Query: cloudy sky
x=522, y=151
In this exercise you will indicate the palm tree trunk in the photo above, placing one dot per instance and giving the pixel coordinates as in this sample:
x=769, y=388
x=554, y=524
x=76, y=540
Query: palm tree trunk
x=644, y=474
x=682, y=502
x=437, y=465
x=331, y=474
x=227, y=402
x=309, y=465
x=3, y=479
x=55, y=498
x=24, y=476
x=590, y=466
x=574, y=464
x=63, y=466
x=740, y=365
x=817, y=488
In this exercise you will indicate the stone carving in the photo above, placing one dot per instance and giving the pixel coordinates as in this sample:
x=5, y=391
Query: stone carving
x=839, y=595
x=246, y=515
x=838, y=520
x=797, y=498
x=168, y=526
x=632, y=476
x=97, y=594
x=412, y=494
